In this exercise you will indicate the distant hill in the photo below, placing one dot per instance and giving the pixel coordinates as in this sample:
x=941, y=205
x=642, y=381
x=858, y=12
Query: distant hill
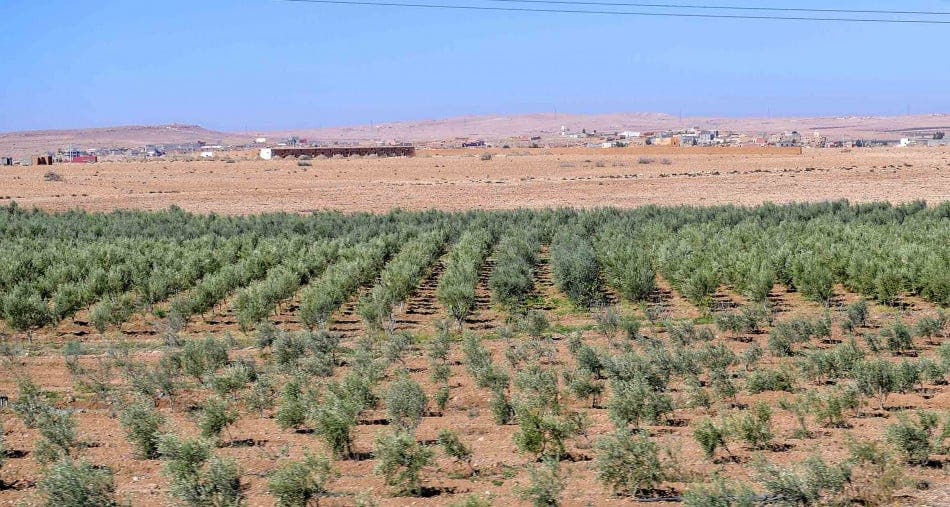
x=548, y=124
x=23, y=144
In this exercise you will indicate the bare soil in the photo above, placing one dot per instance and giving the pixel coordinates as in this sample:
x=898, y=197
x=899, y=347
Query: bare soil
x=460, y=180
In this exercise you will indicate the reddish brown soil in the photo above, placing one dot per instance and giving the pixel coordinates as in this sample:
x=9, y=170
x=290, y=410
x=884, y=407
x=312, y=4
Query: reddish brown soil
x=501, y=468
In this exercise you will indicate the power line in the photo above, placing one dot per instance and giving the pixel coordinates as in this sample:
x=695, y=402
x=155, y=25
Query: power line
x=622, y=13
x=734, y=8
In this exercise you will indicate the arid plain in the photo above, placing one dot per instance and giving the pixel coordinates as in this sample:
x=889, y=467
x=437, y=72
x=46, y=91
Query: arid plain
x=461, y=180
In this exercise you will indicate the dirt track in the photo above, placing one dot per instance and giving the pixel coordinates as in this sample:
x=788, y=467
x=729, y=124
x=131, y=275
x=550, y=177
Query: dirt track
x=511, y=179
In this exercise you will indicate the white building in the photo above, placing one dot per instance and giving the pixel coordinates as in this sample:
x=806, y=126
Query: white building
x=266, y=154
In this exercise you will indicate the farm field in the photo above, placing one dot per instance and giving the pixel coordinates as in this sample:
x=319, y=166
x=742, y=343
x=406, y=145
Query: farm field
x=460, y=180
x=784, y=353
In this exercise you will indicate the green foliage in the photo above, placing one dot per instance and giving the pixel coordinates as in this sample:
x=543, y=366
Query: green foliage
x=626, y=267
x=405, y=403
x=512, y=277
x=575, y=268
x=76, y=483
x=400, y=277
x=142, y=423
x=719, y=493
x=454, y=448
x=545, y=485
x=754, y=426
x=216, y=415
x=58, y=438
x=292, y=408
x=769, y=380
x=400, y=462
x=296, y=483
x=897, y=338
x=456, y=290
x=809, y=483
x=917, y=439
x=876, y=378
x=633, y=401
x=31, y=403
x=334, y=419
x=197, y=477
x=856, y=315
x=629, y=464
x=710, y=437
x=201, y=358
x=441, y=397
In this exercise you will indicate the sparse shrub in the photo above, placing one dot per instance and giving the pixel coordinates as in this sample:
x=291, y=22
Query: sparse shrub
x=931, y=327
x=485, y=157
x=454, y=448
x=76, y=483
x=200, y=358
x=266, y=334
x=396, y=347
x=769, y=380
x=197, y=477
x=400, y=462
x=917, y=440
x=441, y=398
x=292, y=410
x=629, y=464
x=405, y=403
x=810, y=483
x=52, y=176
x=829, y=408
x=142, y=423
x=31, y=403
x=334, y=419
x=297, y=483
x=608, y=321
x=58, y=435
x=897, y=338
x=535, y=324
x=877, y=473
x=262, y=395
x=710, y=438
x=233, y=378
x=876, y=378
x=501, y=409
x=288, y=349
x=542, y=433
x=545, y=485
x=215, y=417
x=856, y=315
x=754, y=426
x=635, y=400
x=718, y=493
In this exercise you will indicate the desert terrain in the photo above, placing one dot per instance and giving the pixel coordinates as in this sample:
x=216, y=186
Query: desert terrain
x=461, y=180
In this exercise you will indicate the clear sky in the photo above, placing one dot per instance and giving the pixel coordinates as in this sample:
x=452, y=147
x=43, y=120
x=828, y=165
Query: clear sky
x=267, y=64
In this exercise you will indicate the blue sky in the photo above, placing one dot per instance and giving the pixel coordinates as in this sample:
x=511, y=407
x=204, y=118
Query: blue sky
x=265, y=64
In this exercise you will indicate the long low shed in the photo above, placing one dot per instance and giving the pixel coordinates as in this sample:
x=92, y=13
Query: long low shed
x=345, y=151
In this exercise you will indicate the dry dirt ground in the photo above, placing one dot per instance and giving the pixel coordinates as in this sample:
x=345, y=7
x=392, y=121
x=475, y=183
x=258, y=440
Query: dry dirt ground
x=259, y=445
x=459, y=180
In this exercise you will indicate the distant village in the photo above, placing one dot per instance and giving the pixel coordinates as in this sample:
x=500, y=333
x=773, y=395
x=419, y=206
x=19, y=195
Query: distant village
x=693, y=137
